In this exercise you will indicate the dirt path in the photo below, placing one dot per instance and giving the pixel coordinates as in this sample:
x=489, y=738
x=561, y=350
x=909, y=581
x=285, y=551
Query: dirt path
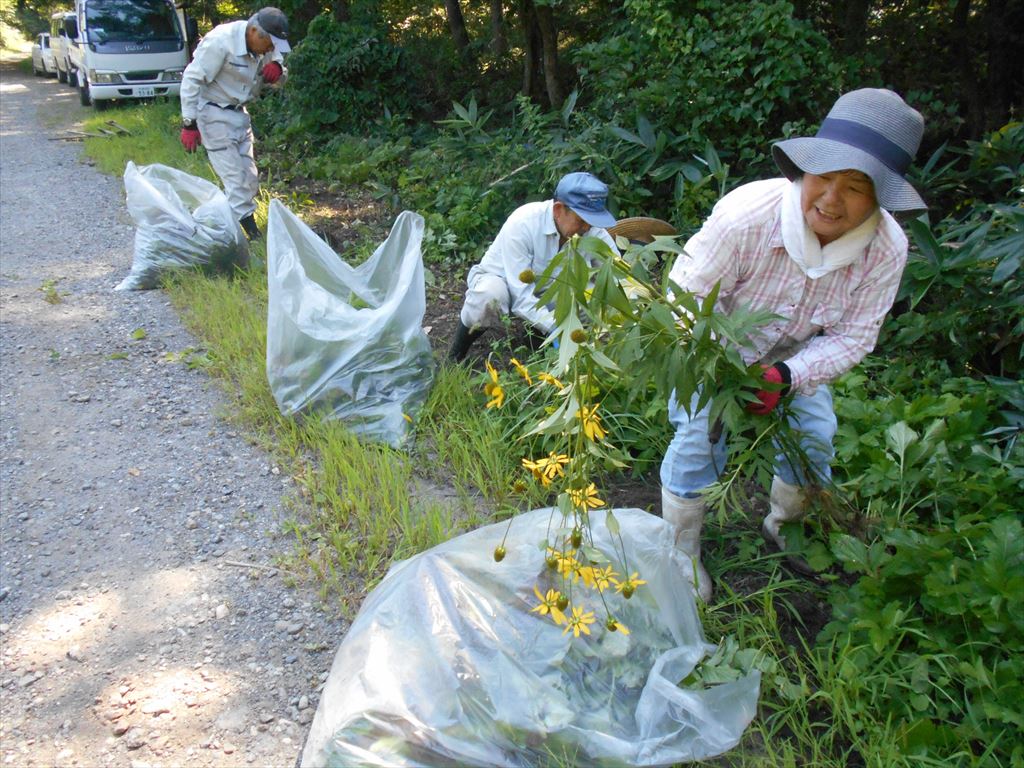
x=142, y=620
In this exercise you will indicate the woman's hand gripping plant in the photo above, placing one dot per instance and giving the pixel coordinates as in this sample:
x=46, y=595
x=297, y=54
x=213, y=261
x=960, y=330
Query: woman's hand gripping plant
x=617, y=328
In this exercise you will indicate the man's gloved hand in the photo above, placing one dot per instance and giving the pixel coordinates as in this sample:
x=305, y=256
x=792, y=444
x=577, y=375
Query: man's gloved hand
x=190, y=137
x=272, y=72
x=769, y=398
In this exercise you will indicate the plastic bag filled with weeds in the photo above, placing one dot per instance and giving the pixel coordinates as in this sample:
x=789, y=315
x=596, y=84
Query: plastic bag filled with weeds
x=449, y=663
x=347, y=342
x=180, y=221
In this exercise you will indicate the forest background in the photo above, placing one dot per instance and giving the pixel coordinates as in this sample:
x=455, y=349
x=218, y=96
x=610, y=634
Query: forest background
x=463, y=110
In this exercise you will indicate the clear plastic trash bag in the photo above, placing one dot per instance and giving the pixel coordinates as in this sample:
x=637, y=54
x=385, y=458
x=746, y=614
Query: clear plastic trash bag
x=446, y=664
x=180, y=221
x=346, y=342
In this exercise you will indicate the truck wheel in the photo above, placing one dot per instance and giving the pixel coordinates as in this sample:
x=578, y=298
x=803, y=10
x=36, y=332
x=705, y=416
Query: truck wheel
x=83, y=93
x=62, y=76
x=72, y=78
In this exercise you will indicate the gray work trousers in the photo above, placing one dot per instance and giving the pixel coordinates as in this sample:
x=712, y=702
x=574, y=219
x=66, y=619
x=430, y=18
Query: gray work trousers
x=227, y=136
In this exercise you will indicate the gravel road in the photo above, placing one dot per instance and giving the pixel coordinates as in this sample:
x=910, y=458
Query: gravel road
x=142, y=619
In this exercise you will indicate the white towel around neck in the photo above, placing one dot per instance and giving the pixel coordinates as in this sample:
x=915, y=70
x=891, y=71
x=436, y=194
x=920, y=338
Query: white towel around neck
x=802, y=244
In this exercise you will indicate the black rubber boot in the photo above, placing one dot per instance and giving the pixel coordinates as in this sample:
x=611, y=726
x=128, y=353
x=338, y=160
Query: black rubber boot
x=463, y=340
x=249, y=227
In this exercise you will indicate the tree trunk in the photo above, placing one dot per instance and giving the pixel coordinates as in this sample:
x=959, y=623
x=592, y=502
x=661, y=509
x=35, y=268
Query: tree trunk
x=1004, y=35
x=499, y=41
x=342, y=12
x=961, y=41
x=531, y=49
x=549, y=41
x=855, y=25
x=457, y=25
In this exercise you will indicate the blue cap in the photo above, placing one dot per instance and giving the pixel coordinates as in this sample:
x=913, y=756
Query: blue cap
x=587, y=197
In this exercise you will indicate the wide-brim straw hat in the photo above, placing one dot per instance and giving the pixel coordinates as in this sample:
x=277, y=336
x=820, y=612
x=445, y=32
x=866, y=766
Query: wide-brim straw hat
x=871, y=130
x=642, y=229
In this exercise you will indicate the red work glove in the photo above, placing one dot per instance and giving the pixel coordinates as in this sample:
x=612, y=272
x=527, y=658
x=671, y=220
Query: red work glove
x=190, y=139
x=272, y=72
x=769, y=398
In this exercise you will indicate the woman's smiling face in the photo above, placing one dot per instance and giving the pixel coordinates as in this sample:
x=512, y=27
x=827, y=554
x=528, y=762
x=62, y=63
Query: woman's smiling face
x=836, y=203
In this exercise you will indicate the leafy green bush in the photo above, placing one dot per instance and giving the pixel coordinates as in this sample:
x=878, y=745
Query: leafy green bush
x=736, y=74
x=341, y=77
x=929, y=637
x=963, y=281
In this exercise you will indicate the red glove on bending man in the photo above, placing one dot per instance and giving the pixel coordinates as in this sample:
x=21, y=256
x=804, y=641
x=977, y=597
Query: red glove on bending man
x=768, y=399
x=272, y=72
x=190, y=137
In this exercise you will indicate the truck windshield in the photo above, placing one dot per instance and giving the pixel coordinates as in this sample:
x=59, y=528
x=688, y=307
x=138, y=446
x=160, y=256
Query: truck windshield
x=130, y=21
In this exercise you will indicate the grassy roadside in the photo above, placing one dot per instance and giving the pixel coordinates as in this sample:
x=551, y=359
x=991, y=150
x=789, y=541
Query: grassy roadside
x=358, y=508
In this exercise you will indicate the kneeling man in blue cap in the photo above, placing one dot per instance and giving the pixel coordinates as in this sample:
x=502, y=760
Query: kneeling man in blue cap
x=529, y=240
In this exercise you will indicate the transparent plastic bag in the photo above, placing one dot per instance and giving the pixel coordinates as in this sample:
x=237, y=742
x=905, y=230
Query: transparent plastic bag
x=346, y=342
x=180, y=221
x=446, y=664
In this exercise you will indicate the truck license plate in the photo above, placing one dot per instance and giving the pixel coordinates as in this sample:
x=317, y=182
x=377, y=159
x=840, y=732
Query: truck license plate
x=146, y=91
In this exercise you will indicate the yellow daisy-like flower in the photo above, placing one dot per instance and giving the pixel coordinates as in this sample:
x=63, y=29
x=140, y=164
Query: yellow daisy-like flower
x=580, y=621
x=547, y=378
x=627, y=586
x=604, y=577
x=568, y=565
x=614, y=625
x=549, y=605
x=549, y=468
x=586, y=573
x=522, y=371
x=585, y=498
x=591, y=423
x=493, y=389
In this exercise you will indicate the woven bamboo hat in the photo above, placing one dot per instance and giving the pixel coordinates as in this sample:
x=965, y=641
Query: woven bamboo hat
x=641, y=229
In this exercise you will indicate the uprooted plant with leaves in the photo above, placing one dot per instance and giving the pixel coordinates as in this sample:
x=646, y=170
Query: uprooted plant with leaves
x=620, y=336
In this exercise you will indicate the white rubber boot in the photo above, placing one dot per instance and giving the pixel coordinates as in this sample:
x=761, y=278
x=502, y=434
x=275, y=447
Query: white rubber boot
x=788, y=504
x=686, y=516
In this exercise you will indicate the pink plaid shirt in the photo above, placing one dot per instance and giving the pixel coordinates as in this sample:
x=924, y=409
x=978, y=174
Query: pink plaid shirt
x=827, y=325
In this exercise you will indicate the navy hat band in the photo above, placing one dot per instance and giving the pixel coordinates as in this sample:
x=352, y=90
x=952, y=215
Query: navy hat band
x=867, y=139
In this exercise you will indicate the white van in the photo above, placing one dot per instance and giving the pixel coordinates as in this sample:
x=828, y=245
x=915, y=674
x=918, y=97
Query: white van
x=128, y=49
x=63, y=29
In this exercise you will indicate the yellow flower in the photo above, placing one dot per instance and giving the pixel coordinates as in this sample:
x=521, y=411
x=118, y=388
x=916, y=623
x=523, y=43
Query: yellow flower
x=549, y=605
x=591, y=423
x=587, y=574
x=522, y=371
x=493, y=389
x=547, y=469
x=579, y=621
x=614, y=625
x=568, y=565
x=628, y=586
x=604, y=577
x=585, y=498
x=547, y=378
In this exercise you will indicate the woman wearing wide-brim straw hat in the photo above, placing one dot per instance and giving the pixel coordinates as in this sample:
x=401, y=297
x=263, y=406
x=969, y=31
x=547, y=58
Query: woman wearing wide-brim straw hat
x=820, y=249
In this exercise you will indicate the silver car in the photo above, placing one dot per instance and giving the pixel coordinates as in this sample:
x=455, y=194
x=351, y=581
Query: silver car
x=43, y=63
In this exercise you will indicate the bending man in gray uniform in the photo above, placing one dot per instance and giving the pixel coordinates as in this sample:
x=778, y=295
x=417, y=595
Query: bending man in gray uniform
x=228, y=70
x=529, y=239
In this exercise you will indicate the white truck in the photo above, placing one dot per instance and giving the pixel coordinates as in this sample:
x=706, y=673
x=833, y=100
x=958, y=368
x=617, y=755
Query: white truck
x=63, y=29
x=129, y=49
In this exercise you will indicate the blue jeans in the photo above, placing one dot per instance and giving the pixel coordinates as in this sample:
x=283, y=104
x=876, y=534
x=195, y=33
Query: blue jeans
x=692, y=463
